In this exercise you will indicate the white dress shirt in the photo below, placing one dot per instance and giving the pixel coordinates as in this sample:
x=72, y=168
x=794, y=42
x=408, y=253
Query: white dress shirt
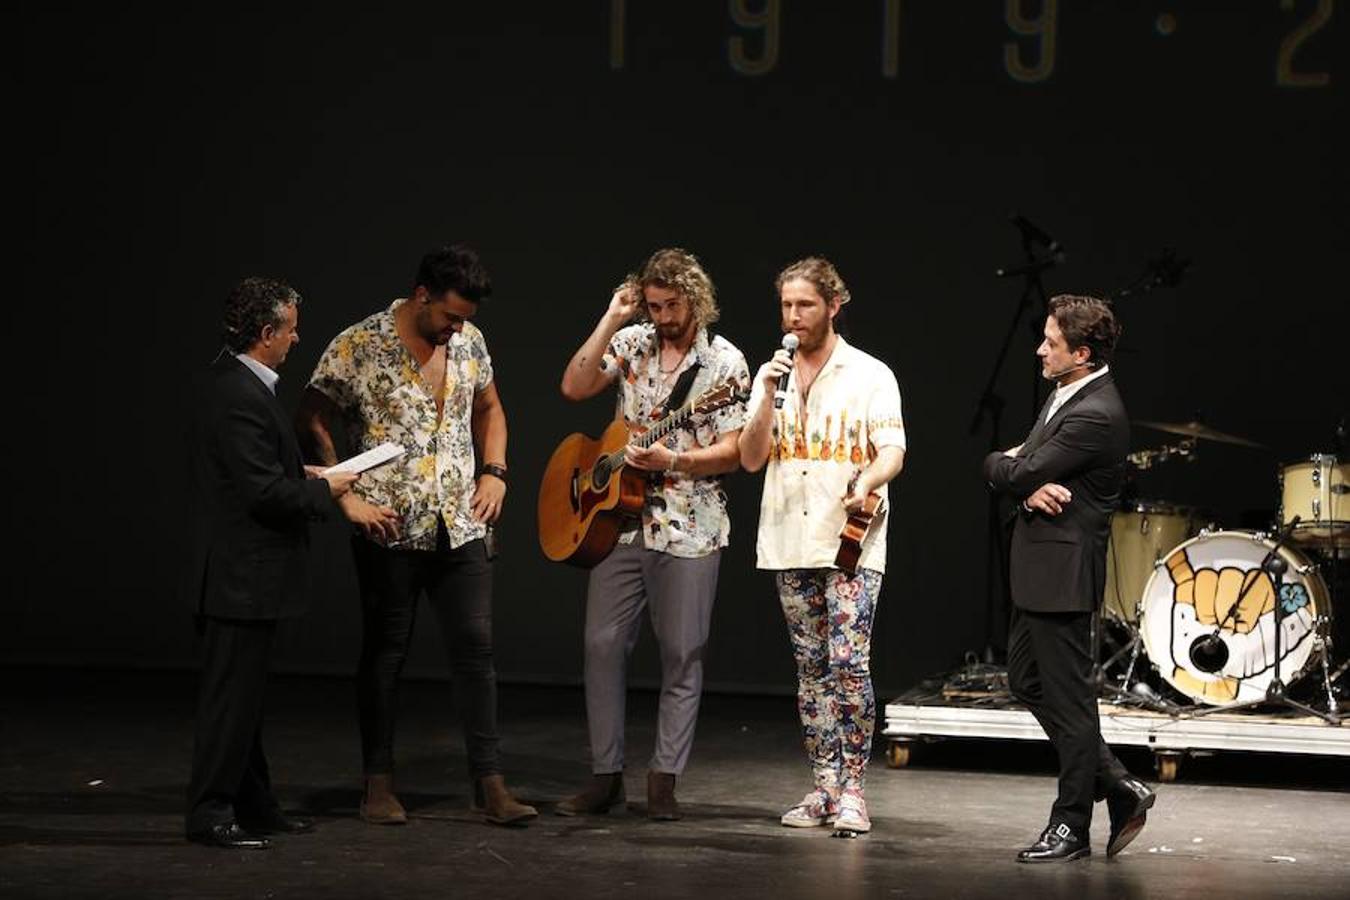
x=1062, y=394
x=265, y=375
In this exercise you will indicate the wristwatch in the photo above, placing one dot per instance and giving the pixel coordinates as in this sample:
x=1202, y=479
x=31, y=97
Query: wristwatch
x=494, y=470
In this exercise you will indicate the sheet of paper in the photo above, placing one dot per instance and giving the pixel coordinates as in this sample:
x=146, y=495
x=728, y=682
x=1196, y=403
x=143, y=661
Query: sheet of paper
x=375, y=456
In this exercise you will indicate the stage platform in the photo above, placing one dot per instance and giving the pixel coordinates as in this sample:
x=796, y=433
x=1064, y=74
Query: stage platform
x=93, y=766
x=1171, y=738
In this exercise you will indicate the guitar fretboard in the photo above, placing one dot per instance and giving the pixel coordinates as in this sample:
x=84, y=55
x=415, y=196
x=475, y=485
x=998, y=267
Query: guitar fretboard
x=654, y=434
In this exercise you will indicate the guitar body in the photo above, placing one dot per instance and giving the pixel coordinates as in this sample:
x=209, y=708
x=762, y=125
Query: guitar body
x=854, y=533
x=582, y=506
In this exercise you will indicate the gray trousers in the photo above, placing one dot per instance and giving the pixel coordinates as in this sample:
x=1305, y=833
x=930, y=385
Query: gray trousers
x=680, y=594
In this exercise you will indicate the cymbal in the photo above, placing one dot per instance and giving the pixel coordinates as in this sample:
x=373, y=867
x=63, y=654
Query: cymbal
x=1199, y=430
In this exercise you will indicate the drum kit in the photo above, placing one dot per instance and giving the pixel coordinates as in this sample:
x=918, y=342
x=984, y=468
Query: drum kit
x=1226, y=618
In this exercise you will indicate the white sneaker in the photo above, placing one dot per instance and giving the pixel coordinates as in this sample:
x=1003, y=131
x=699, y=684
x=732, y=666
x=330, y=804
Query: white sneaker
x=816, y=808
x=852, y=818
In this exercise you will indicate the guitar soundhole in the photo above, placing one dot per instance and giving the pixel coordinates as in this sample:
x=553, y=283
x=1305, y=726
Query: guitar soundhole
x=600, y=474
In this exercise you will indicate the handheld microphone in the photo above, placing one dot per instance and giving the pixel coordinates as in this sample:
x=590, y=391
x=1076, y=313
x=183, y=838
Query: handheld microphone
x=790, y=343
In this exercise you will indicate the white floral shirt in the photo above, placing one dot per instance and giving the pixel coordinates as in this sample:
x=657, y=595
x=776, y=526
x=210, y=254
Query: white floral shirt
x=371, y=377
x=682, y=516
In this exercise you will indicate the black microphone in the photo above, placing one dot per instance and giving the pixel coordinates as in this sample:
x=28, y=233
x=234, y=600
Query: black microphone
x=1035, y=233
x=1209, y=653
x=790, y=343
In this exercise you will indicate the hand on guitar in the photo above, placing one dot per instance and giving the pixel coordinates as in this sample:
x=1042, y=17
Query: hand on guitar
x=378, y=523
x=656, y=458
x=854, y=499
x=486, y=503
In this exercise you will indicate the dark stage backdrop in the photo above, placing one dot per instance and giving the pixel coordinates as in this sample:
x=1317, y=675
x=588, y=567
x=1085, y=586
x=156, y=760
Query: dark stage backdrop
x=165, y=155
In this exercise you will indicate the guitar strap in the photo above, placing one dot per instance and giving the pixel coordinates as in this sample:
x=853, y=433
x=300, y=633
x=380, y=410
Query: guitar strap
x=680, y=392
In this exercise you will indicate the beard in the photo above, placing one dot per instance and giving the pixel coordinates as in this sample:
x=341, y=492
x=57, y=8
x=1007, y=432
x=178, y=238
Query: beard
x=813, y=338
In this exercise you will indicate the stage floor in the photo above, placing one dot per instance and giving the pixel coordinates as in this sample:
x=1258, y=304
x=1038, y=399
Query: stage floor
x=92, y=768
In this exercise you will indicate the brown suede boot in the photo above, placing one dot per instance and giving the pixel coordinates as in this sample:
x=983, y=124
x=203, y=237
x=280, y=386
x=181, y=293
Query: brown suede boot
x=661, y=802
x=603, y=794
x=497, y=804
x=379, y=806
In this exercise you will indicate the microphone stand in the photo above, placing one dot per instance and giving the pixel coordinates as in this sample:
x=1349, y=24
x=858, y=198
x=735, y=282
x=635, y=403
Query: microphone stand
x=992, y=403
x=1166, y=271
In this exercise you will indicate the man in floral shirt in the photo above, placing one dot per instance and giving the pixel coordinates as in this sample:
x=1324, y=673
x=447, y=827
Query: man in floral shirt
x=669, y=559
x=418, y=375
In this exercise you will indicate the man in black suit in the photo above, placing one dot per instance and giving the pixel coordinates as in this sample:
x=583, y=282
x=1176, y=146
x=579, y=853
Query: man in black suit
x=248, y=563
x=1066, y=478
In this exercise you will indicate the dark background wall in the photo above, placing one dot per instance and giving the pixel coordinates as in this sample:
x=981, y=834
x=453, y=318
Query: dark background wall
x=165, y=155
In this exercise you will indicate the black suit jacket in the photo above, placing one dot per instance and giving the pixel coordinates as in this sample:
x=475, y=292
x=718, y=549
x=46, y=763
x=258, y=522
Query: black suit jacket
x=249, y=542
x=1058, y=563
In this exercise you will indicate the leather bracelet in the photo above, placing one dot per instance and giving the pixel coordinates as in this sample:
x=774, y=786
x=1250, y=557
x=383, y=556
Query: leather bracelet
x=494, y=470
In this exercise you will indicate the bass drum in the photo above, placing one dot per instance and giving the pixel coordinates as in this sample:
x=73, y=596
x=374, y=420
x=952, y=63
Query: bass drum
x=1140, y=535
x=1215, y=582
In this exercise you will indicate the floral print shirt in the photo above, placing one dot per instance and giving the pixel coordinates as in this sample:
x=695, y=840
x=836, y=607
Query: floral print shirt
x=682, y=515
x=368, y=373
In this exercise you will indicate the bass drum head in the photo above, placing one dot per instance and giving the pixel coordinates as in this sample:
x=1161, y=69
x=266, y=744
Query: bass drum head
x=1215, y=581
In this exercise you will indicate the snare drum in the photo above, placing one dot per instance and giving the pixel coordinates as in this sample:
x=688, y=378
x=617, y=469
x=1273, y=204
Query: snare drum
x=1316, y=492
x=1140, y=535
x=1215, y=582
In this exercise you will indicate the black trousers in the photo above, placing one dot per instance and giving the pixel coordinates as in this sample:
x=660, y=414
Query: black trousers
x=1050, y=672
x=458, y=585
x=229, y=770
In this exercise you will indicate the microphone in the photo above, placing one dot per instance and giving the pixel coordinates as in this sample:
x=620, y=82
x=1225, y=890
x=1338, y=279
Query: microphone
x=1055, y=376
x=790, y=343
x=1209, y=653
x=1034, y=233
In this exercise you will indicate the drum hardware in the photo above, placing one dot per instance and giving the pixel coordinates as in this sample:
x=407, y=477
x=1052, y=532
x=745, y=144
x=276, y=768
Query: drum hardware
x=1197, y=429
x=1147, y=459
x=1239, y=655
x=1316, y=489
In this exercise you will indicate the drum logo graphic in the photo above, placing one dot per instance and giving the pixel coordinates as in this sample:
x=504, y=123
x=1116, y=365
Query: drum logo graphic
x=1214, y=584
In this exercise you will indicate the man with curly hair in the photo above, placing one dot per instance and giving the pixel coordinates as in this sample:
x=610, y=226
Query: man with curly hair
x=668, y=560
x=837, y=436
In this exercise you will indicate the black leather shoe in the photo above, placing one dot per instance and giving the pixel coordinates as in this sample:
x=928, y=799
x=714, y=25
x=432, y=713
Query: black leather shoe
x=277, y=823
x=1058, y=843
x=230, y=836
x=1128, y=803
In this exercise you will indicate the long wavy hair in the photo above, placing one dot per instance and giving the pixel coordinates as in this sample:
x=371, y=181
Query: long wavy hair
x=678, y=270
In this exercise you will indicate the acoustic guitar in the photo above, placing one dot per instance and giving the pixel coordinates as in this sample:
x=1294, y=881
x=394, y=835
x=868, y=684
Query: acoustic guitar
x=855, y=532
x=587, y=491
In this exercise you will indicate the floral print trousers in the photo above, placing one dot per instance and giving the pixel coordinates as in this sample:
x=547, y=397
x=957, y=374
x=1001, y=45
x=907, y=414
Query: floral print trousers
x=829, y=617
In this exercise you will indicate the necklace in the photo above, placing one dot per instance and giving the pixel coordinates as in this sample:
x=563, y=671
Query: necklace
x=673, y=369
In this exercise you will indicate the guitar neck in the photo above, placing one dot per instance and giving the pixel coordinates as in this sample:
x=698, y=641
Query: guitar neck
x=655, y=433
